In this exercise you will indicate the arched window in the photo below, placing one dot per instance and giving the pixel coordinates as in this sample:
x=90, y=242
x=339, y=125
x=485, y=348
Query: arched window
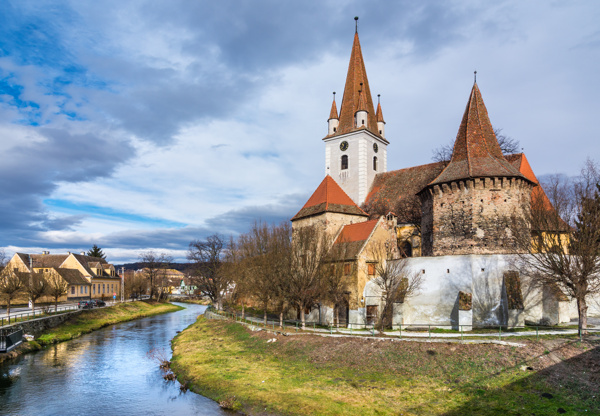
x=344, y=162
x=374, y=162
x=406, y=249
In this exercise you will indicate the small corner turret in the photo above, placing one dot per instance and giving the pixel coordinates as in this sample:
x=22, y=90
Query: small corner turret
x=361, y=114
x=334, y=120
x=379, y=117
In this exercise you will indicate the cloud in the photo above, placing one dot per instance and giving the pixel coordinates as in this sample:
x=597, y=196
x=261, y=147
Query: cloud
x=147, y=124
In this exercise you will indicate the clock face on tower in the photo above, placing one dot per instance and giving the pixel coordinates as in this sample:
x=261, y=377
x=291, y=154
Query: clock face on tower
x=375, y=147
x=344, y=146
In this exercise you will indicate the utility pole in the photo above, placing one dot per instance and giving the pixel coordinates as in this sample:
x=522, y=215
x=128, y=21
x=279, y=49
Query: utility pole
x=122, y=284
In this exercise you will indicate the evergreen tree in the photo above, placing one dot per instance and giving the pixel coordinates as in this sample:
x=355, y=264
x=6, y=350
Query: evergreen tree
x=96, y=251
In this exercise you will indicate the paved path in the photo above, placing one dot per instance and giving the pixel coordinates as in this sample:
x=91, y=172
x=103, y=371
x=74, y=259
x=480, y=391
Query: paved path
x=274, y=324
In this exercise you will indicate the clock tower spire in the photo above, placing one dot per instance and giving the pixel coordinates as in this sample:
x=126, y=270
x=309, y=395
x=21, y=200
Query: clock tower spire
x=355, y=146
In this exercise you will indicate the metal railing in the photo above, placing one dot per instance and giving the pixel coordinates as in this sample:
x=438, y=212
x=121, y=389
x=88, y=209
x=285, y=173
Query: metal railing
x=37, y=313
x=10, y=340
x=428, y=331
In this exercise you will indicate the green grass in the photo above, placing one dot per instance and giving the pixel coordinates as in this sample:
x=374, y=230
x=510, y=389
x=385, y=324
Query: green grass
x=93, y=319
x=312, y=375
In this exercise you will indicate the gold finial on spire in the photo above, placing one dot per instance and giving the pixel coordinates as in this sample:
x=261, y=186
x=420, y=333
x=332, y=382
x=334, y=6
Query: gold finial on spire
x=356, y=24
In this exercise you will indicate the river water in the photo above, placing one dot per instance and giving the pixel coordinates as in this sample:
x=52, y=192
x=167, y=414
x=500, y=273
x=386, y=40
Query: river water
x=103, y=373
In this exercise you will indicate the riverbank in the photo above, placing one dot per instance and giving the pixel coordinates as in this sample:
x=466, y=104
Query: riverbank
x=91, y=320
x=309, y=374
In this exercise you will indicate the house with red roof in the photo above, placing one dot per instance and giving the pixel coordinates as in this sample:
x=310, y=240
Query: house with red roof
x=459, y=223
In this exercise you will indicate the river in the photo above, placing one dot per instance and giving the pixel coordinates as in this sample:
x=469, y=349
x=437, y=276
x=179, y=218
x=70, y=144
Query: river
x=103, y=373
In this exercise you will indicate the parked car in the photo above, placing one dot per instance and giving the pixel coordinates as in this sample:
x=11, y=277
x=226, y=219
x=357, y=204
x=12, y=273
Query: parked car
x=98, y=302
x=85, y=304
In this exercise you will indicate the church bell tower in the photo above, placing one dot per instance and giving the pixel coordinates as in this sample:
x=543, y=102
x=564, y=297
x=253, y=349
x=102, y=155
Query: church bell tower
x=355, y=145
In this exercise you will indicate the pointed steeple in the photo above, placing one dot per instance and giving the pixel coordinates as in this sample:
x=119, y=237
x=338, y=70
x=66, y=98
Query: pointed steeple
x=357, y=75
x=476, y=150
x=362, y=103
x=379, y=114
x=329, y=197
x=333, y=114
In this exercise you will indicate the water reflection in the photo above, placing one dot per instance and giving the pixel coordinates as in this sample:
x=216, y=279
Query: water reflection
x=105, y=372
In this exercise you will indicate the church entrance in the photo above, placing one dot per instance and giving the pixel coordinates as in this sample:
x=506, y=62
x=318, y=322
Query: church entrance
x=343, y=310
x=372, y=314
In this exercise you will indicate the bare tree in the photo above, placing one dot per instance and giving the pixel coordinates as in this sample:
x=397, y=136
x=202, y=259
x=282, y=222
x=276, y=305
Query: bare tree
x=154, y=266
x=210, y=275
x=57, y=287
x=508, y=145
x=3, y=259
x=310, y=246
x=338, y=270
x=135, y=284
x=36, y=286
x=564, y=252
x=11, y=285
x=237, y=271
x=266, y=254
x=393, y=277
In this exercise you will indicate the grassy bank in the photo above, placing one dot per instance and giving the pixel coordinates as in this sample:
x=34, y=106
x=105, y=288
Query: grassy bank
x=93, y=319
x=310, y=375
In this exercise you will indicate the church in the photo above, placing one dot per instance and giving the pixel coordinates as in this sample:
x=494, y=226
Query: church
x=451, y=222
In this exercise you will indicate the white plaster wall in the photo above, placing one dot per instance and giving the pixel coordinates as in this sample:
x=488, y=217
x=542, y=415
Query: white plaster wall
x=480, y=275
x=357, y=179
x=363, y=168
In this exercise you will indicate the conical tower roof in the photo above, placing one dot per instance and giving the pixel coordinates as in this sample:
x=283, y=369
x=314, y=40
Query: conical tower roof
x=476, y=150
x=333, y=114
x=329, y=197
x=357, y=74
x=379, y=114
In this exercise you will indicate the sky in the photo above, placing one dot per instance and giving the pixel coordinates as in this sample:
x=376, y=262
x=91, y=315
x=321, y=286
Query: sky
x=144, y=125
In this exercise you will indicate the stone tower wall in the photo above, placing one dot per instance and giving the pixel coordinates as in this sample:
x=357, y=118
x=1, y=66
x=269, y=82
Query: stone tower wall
x=475, y=216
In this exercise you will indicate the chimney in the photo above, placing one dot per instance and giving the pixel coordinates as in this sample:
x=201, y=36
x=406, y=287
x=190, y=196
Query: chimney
x=83, y=253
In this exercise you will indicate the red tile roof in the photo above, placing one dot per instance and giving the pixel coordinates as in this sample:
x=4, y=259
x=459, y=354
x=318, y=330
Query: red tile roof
x=333, y=114
x=329, y=197
x=476, y=151
x=356, y=232
x=357, y=74
x=352, y=239
x=389, y=188
x=519, y=161
x=379, y=114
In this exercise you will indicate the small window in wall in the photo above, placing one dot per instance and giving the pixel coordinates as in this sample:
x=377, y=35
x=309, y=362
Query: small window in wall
x=371, y=269
x=334, y=129
x=347, y=268
x=374, y=162
x=344, y=162
x=380, y=132
x=72, y=290
x=363, y=122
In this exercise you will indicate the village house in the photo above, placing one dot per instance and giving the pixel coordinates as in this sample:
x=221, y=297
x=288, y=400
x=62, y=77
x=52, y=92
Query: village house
x=88, y=277
x=453, y=222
